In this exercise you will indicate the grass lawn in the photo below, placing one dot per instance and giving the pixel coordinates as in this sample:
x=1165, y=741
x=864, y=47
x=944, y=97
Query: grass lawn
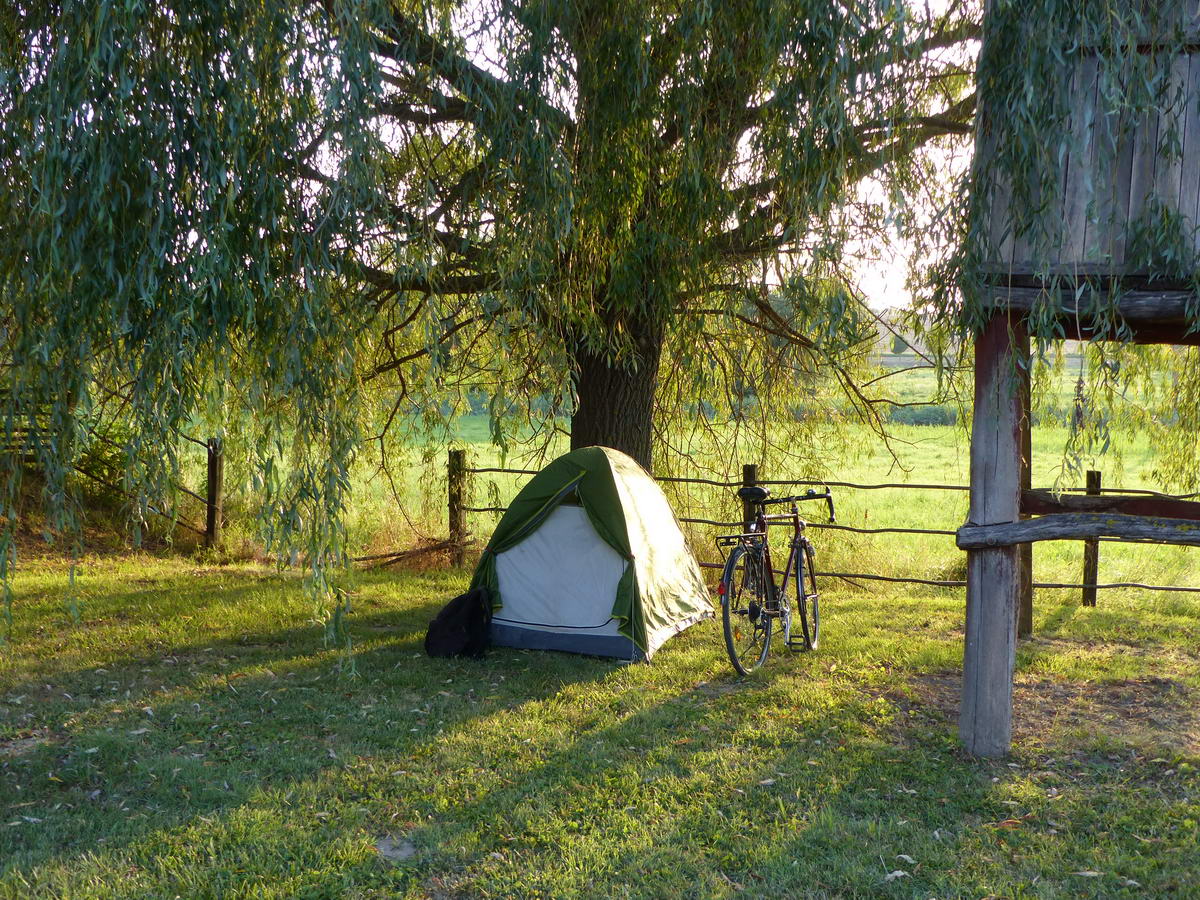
x=190, y=737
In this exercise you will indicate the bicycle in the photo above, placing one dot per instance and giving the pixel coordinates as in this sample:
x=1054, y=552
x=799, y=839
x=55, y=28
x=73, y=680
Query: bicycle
x=751, y=601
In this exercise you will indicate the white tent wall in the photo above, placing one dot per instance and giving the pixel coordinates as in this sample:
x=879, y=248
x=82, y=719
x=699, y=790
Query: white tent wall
x=557, y=589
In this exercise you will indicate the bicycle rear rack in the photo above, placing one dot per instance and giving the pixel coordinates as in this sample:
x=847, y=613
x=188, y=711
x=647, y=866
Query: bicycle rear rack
x=730, y=540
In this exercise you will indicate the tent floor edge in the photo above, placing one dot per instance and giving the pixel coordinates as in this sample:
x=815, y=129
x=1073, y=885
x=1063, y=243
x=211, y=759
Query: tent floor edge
x=616, y=646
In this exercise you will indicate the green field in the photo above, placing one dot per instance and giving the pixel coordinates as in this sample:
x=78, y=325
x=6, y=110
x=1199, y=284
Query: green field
x=407, y=505
x=191, y=737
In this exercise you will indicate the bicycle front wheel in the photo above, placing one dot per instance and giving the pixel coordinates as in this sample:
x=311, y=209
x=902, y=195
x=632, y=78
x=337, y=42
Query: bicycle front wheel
x=743, y=593
x=807, y=599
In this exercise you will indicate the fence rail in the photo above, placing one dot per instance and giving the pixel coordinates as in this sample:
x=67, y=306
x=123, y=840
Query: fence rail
x=212, y=501
x=854, y=485
x=457, y=471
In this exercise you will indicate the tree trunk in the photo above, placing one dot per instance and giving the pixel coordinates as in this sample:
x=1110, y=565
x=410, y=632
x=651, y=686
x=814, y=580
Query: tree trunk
x=615, y=400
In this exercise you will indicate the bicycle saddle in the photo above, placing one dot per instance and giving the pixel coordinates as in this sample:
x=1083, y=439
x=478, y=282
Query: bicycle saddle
x=753, y=494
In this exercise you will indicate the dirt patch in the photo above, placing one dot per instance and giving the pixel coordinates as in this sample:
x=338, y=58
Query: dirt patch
x=394, y=848
x=17, y=747
x=1160, y=711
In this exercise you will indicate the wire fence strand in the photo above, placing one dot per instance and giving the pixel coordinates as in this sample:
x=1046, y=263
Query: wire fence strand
x=867, y=576
x=934, y=582
x=855, y=485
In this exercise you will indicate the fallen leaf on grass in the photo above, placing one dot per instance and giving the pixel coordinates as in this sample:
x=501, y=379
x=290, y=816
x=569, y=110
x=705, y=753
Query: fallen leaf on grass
x=892, y=876
x=1010, y=823
x=904, y=857
x=1088, y=874
x=767, y=781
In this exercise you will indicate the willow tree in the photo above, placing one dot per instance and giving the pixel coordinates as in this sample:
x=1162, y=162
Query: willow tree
x=155, y=246
x=581, y=188
x=218, y=209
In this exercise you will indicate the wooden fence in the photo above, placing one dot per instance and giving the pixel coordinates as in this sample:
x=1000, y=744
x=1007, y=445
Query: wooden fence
x=457, y=509
x=214, y=495
x=212, y=500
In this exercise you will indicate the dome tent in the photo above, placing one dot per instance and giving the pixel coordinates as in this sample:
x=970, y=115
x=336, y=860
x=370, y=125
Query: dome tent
x=589, y=558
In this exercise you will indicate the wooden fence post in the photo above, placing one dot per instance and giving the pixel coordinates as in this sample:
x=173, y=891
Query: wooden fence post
x=214, y=500
x=749, y=479
x=455, y=474
x=993, y=574
x=1091, y=550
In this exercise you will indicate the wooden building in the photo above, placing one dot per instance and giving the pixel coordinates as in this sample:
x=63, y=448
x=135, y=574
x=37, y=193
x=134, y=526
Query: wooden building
x=1105, y=248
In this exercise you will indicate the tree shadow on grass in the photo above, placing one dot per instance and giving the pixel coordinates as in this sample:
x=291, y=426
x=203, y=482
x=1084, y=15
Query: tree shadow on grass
x=150, y=742
x=537, y=773
x=826, y=805
x=551, y=811
x=1063, y=612
x=222, y=647
x=557, y=832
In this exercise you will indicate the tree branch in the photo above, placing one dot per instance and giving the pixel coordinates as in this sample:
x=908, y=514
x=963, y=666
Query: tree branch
x=409, y=43
x=747, y=238
x=454, y=110
x=433, y=281
x=390, y=365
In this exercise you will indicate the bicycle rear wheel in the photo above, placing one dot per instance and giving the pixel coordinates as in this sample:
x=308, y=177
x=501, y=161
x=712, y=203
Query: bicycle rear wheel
x=807, y=599
x=743, y=593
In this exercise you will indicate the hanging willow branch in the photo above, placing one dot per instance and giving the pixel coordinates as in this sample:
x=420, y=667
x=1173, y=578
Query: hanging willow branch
x=1084, y=191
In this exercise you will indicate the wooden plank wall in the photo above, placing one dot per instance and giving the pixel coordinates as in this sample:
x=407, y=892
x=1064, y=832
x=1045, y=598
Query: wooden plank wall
x=1114, y=168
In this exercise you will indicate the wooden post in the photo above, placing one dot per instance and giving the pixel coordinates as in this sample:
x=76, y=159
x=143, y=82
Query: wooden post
x=1025, y=551
x=455, y=474
x=214, y=500
x=993, y=574
x=749, y=479
x=1091, y=550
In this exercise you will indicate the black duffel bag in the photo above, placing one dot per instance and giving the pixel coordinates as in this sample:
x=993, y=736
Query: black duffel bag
x=463, y=627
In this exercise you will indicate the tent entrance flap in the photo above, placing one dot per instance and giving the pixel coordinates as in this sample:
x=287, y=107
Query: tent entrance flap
x=562, y=577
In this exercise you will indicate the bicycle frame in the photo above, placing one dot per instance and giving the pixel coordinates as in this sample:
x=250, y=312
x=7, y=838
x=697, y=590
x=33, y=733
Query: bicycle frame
x=759, y=534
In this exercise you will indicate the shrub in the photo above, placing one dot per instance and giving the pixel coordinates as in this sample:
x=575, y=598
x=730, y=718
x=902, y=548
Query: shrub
x=934, y=414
